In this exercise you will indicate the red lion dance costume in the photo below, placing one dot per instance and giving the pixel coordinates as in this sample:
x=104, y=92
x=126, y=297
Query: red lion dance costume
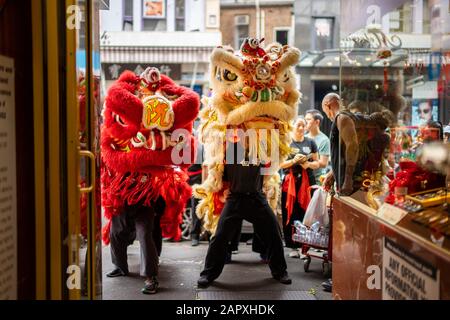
x=148, y=119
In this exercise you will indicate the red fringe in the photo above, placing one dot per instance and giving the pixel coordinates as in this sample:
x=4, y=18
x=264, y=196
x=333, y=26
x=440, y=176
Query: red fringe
x=145, y=188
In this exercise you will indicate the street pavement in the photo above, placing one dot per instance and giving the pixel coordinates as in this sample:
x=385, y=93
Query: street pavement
x=245, y=278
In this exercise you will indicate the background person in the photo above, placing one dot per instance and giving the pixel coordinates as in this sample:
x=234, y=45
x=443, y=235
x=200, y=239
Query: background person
x=447, y=134
x=313, y=120
x=299, y=176
x=344, y=146
x=195, y=177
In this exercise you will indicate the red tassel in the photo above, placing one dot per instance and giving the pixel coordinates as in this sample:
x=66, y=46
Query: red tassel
x=304, y=195
x=289, y=187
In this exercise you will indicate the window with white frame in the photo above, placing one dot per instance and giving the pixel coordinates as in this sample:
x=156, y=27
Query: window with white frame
x=241, y=23
x=127, y=15
x=180, y=15
x=322, y=37
x=281, y=35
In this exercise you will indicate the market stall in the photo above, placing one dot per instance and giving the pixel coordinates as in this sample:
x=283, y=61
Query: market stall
x=377, y=259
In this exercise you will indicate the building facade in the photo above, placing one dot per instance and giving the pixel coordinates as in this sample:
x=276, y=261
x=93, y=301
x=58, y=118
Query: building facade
x=317, y=25
x=340, y=42
x=177, y=36
x=271, y=20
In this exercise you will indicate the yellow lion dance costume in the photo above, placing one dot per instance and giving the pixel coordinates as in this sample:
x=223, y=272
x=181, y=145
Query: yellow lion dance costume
x=251, y=89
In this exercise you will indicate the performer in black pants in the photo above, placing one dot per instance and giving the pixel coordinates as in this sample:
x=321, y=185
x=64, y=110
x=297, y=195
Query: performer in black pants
x=245, y=201
x=137, y=219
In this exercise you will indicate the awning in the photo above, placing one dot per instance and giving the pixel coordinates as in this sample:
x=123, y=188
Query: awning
x=122, y=54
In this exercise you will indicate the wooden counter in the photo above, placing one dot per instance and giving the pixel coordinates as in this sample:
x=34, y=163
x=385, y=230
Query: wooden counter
x=360, y=239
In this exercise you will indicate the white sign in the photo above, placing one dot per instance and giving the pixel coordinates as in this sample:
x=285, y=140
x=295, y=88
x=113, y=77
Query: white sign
x=429, y=90
x=407, y=277
x=391, y=214
x=8, y=201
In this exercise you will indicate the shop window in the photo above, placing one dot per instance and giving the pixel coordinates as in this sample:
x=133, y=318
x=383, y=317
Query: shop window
x=127, y=15
x=212, y=20
x=322, y=33
x=402, y=20
x=282, y=36
x=241, y=23
x=396, y=21
x=179, y=15
x=154, y=25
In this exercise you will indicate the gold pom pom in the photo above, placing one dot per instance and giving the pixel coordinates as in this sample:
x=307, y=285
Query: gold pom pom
x=247, y=91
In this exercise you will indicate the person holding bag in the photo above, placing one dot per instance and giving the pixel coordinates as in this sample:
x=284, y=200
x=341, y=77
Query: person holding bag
x=299, y=176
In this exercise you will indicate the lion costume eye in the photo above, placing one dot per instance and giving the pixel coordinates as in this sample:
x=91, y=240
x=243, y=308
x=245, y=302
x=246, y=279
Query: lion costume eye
x=253, y=43
x=229, y=76
x=119, y=120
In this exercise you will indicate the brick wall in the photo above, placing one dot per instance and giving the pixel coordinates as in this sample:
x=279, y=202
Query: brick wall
x=275, y=16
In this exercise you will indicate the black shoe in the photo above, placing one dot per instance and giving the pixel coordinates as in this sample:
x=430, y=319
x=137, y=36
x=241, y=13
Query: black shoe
x=228, y=258
x=203, y=282
x=284, y=279
x=116, y=273
x=327, y=285
x=194, y=242
x=150, y=286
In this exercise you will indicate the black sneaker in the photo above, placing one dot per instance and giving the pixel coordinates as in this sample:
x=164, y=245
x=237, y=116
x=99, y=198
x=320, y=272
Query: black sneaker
x=203, y=282
x=150, y=286
x=194, y=242
x=284, y=279
x=116, y=273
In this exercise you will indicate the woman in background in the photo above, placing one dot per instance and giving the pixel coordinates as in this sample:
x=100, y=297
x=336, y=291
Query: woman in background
x=299, y=176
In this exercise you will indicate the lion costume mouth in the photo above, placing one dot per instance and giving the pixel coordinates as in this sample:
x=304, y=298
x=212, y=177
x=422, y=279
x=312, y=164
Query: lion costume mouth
x=273, y=111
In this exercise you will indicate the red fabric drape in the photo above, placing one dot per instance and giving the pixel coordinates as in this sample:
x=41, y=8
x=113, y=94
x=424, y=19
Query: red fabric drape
x=303, y=196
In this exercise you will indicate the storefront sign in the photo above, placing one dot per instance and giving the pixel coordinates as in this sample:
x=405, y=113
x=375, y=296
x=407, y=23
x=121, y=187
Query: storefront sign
x=113, y=70
x=8, y=201
x=391, y=214
x=406, y=276
x=428, y=90
x=154, y=9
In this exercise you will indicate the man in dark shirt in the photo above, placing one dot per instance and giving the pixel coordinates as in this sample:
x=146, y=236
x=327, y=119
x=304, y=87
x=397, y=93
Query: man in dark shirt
x=245, y=201
x=344, y=152
x=344, y=146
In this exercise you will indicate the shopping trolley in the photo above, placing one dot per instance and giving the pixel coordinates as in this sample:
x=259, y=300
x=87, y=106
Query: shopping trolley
x=315, y=243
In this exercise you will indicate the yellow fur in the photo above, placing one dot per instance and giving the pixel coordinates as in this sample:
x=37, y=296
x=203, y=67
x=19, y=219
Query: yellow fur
x=227, y=108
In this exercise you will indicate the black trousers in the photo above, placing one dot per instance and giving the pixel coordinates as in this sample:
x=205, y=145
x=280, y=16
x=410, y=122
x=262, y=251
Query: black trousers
x=135, y=222
x=196, y=223
x=255, y=209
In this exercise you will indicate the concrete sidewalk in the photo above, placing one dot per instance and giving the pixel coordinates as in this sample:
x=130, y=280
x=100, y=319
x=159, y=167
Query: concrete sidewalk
x=245, y=278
